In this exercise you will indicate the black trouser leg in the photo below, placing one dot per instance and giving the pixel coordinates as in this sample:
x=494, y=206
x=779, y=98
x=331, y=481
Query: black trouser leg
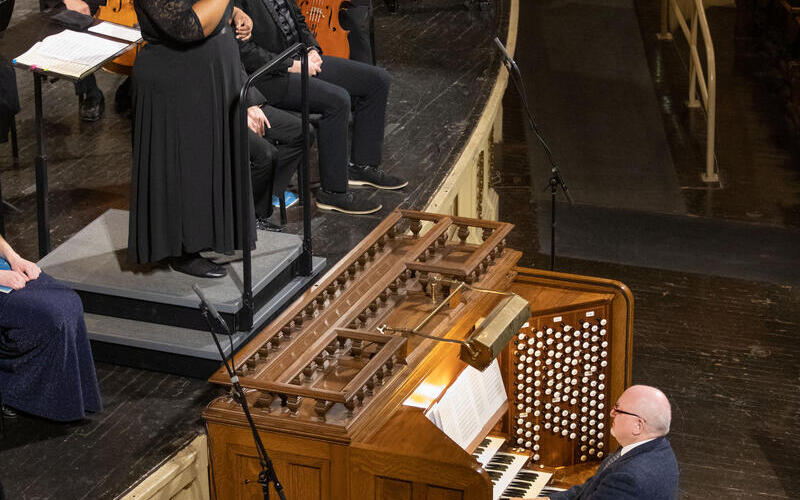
x=87, y=86
x=263, y=155
x=333, y=103
x=368, y=86
x=286, y=132
x=355, y=19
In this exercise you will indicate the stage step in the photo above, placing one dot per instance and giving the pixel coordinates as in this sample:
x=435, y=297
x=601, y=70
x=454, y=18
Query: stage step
x=149, y=317
x=94, y=263
x=183, y=351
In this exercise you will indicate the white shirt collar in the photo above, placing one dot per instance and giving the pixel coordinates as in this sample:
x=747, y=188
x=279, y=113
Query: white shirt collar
x=626, y=449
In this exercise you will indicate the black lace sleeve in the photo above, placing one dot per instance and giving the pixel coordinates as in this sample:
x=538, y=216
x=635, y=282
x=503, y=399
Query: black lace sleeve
x=171, y=19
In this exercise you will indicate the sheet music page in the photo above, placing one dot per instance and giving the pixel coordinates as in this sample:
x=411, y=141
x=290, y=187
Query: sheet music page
x=70, y=52
x=460, y=420
x=469, y=403
x=117, y=31
x=33, y=58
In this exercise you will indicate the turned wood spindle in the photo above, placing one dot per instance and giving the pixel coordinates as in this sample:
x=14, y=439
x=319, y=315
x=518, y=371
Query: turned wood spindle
x=293, y=403
x=350, y=404
x=264, y=400
x=487, y=231
x=416, y=227
x=463, y=234
x=310, y=308
x=423, y=280
x=321, y=408
x=370, y=386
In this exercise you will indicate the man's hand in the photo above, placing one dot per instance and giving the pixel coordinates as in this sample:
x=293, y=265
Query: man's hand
x=78, y=6
x=313, y=68
x=243, y=24
x=257, y=121
x=314, y=57
x=13, y=279
x=26, y=268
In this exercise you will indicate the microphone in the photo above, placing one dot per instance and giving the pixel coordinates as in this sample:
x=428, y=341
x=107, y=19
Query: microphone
x=506, y=58
x=208, y=305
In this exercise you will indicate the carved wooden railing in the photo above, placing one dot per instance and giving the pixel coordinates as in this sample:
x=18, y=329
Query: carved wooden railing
x=325, y=347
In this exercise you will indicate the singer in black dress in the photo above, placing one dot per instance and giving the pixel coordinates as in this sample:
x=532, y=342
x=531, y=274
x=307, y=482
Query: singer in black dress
x=185, y=191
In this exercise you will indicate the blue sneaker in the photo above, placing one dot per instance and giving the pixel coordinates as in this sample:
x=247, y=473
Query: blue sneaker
x=290, y=197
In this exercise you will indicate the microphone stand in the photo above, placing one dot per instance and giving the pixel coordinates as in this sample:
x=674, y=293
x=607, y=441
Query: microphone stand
x=555, y=180
x=267, y=474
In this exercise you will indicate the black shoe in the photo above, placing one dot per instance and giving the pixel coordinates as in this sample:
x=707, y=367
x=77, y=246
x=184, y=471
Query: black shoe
x=348, y=203
x=8, y=412
x=196, y=265
x=264, y=224
x=91, y=106
x=367, y=175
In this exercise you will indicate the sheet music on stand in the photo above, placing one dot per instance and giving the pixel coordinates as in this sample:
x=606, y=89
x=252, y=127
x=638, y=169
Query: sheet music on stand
x=71, y=53
x=469, y=403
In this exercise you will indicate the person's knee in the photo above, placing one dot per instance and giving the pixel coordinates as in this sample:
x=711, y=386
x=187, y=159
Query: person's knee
x=338, y=102
x=383, y=78
x=61, y=314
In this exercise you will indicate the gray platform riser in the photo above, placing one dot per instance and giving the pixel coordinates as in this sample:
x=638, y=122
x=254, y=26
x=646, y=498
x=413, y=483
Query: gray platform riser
x=180, y=316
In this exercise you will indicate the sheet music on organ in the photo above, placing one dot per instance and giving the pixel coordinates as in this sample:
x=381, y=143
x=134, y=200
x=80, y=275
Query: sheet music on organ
x=117, y=31
x=469, y=403
x=70, y=53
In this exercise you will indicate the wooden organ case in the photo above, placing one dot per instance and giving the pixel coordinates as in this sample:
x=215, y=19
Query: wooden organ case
x=330, y=394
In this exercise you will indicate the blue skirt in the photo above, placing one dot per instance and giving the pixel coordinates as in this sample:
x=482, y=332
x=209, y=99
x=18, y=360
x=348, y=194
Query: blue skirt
x=46, y=365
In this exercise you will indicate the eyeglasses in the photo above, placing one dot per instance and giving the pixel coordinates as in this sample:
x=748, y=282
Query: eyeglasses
x=617, y=410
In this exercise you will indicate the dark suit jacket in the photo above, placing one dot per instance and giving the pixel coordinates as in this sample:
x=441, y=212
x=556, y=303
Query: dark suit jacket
x=647, y=472
x=268, y=41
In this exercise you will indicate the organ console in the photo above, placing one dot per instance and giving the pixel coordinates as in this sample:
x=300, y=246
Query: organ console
x=348, y=411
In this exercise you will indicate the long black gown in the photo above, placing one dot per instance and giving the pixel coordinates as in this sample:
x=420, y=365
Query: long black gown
x=185, y=187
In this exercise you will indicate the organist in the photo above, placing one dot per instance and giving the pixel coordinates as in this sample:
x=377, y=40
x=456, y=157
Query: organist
x=644, y=467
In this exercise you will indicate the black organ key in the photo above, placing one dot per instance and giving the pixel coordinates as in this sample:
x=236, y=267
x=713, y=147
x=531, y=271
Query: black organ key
x=527, y=476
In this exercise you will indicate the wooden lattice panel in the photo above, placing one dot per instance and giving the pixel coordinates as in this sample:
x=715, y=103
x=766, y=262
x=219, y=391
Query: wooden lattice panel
x=559, y=370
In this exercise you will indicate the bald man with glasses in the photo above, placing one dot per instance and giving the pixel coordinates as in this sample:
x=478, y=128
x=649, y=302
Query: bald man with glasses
x=644, y=467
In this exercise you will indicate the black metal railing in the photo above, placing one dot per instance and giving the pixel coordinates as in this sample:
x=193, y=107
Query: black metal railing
x=302, y=178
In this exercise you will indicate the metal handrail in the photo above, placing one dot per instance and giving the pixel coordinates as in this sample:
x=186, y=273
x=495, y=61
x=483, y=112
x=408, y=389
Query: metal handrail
x=708, y=82
x=248, y=305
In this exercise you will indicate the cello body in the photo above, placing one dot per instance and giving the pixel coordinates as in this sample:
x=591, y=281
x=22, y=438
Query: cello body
x=322, y=18
x=120, y=12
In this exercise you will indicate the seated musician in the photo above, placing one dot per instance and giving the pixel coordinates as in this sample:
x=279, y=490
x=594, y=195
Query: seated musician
x=644, y=468
x=46, y=366
x=277, y=24
x=276, y=147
